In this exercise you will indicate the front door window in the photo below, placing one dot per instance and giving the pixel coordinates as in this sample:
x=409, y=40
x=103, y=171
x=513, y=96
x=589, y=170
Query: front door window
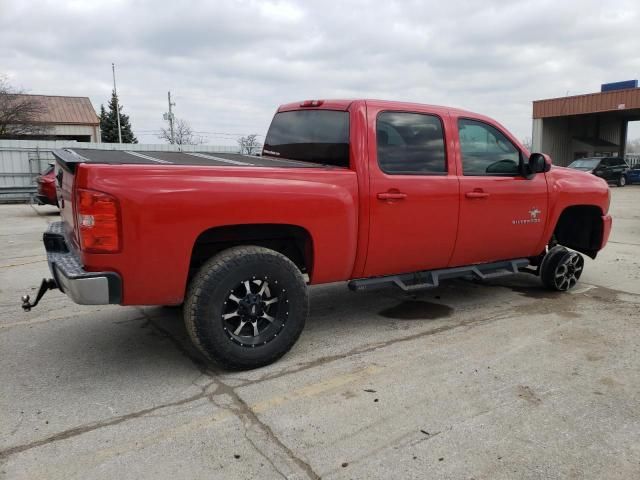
x=486, y=151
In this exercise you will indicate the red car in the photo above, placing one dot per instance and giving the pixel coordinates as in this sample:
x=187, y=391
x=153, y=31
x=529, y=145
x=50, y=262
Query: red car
x=47, y=187
x=371, y=192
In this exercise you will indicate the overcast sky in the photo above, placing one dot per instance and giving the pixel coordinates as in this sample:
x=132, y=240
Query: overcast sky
x=229, y=64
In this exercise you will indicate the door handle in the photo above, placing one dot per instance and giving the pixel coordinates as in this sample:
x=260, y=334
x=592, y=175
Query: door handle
x=476, y=194
x=392, y=196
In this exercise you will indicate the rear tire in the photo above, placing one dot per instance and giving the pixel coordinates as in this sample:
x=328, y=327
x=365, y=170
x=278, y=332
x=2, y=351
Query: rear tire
x=561, y=269
x=622, y=181
x=246, y=307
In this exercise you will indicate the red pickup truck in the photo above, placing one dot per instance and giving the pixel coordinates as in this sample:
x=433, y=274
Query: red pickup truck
x=366, y=191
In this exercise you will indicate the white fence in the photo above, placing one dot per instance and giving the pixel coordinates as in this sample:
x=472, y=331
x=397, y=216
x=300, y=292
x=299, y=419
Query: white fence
x=633, y=159
x=21, y=161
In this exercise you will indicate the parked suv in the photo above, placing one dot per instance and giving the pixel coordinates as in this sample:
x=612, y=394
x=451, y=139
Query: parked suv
x=612, y=169
x=634, y=174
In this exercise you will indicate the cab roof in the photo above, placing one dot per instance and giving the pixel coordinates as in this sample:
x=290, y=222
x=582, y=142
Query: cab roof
x=344, y=104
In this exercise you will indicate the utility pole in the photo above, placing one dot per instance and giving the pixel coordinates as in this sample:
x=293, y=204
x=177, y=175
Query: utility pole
x=169, y=116
x=113, y=68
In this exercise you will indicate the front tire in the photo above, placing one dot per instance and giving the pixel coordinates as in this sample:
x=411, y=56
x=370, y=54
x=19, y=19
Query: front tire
x=246, y=307
x=622, y=181
x=562, y=269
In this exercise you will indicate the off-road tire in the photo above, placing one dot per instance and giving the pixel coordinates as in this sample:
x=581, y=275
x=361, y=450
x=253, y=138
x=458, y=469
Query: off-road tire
x=211, y=288
x=556, y=265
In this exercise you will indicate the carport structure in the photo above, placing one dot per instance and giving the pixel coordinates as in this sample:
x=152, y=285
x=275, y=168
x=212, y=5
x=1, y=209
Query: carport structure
x=594, y=124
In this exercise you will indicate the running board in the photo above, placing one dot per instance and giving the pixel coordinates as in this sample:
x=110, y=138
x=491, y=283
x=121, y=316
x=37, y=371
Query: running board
x=410, y=282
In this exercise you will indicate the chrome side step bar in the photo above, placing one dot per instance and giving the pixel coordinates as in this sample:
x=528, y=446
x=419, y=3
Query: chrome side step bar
x=410, y=282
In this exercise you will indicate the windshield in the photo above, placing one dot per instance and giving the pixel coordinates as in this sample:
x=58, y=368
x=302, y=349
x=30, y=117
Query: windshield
x=318, y=136
x=586, y=163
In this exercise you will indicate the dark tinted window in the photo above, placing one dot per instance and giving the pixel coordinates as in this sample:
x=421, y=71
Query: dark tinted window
x=410, y=143
x=319, y=136
x=588, y=163
x=486, y=151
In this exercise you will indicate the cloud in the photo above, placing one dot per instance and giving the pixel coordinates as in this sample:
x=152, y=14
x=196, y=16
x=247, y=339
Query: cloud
x=229, y=64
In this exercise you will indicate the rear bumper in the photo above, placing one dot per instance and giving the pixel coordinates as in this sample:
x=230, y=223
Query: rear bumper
x=84, y=288
x=606, y=229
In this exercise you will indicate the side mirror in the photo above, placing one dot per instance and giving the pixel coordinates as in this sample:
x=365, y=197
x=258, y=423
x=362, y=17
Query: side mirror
x=539, y=163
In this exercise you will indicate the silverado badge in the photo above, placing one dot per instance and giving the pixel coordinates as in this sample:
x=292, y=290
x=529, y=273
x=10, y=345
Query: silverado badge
x=533, y=217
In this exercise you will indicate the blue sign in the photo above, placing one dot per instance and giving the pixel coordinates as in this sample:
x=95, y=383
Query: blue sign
x=608, y=87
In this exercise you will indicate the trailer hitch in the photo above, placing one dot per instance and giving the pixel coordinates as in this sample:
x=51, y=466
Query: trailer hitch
x=47, y=284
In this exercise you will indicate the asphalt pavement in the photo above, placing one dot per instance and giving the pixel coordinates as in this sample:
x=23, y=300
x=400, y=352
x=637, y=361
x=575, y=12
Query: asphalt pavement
x=496, y=380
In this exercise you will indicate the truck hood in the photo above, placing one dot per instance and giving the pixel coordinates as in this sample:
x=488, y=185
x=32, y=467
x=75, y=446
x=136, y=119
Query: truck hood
x=580, y=188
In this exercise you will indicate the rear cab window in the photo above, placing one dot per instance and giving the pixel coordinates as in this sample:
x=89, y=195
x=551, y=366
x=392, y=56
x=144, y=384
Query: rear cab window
x=315, y=136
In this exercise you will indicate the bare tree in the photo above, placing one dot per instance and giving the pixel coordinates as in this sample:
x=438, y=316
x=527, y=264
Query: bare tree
x=19, y=113
x=249, y=144
x=527, y=143
x=182, y=134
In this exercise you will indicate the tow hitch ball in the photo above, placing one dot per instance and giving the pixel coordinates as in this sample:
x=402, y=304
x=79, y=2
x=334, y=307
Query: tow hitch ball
x=47, y=284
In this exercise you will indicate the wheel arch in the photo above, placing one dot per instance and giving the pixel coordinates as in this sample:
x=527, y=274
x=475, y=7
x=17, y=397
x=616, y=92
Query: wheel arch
x=293, y=241
x=581, y=228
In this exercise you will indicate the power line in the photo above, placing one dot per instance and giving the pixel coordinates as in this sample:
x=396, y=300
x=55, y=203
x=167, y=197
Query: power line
x=158, y=133
x=208, y=132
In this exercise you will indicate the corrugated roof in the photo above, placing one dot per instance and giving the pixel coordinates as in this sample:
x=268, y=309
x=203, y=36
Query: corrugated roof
x=65, y=110
x=615, y=100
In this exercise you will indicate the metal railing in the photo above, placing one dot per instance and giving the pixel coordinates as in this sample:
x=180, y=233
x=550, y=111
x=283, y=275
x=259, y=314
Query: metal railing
x=632, y=159
x=21, y=161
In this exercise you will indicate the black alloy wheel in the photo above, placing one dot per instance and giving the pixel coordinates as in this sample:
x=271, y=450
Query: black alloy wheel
x=563, y=270
x=255, y=311
x=246, y=307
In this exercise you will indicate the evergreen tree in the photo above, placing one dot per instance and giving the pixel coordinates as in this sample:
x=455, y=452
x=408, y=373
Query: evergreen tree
x=109, y=123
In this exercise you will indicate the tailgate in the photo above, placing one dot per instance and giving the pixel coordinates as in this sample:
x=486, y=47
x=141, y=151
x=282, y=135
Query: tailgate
x=64, y=189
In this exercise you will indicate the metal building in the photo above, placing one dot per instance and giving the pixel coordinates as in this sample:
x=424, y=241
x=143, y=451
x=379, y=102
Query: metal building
x=65, y=118
x=594, y=124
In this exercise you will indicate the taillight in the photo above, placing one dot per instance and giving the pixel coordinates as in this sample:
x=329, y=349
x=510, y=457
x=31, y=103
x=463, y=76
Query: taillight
x=98, y=222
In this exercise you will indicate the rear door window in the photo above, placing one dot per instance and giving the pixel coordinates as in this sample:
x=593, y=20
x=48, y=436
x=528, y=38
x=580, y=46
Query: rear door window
x=410, y=144
x=317, y=136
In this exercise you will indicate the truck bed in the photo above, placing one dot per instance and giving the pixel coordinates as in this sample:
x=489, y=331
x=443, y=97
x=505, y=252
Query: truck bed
x=71, y=157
